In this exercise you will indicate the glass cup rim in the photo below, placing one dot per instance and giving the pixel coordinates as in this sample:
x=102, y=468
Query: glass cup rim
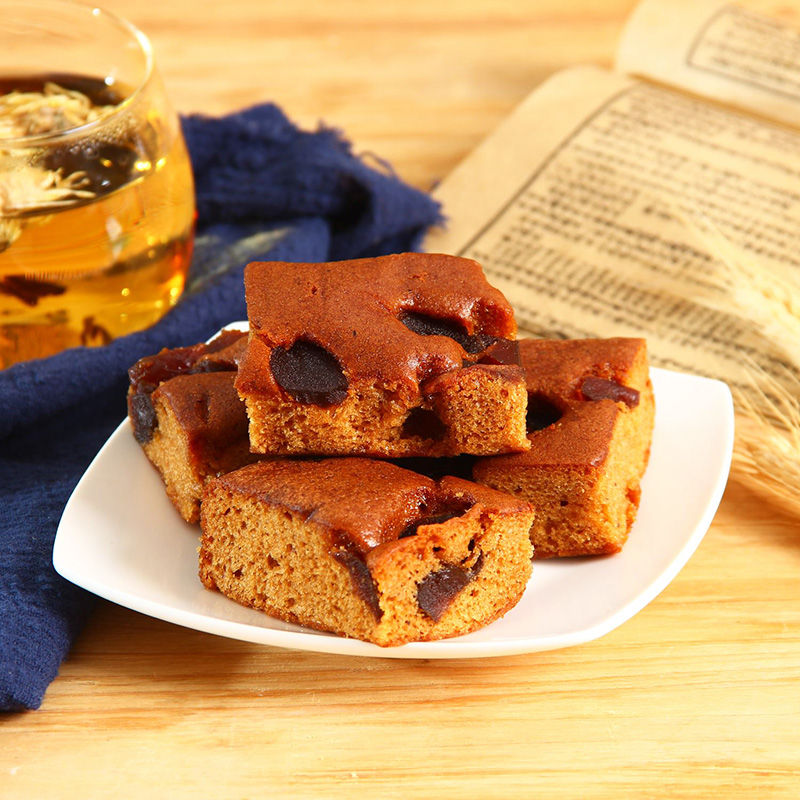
x=127, y=27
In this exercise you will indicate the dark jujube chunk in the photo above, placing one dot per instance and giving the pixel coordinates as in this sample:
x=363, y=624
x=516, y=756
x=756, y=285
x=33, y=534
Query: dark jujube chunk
x=501, y=351
x=478, y=343
x=437, y=590
x=425, y=424
x=147, y=373
x=438, y=519
x=143, y=416
x=309, y=373
x=602, y=389
x=424, y=325
x=362, y=580
x=541, y=413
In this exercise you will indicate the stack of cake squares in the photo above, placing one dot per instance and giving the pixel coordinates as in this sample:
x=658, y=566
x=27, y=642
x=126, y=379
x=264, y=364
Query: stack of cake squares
x=381, y=458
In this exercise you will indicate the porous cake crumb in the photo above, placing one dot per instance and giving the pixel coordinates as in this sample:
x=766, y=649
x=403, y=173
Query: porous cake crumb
x=364, y=548
x=403, y=355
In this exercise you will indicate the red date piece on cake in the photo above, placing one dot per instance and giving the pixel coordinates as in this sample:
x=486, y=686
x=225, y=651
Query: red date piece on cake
x=590, y=423
x=188, y=418
x=404, y=355
x=604, y=389
x=308, y=374
x=364, y=548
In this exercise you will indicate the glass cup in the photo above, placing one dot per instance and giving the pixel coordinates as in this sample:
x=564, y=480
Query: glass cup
x=96, y=191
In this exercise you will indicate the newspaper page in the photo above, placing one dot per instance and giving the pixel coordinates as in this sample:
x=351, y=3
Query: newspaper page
x=744, y=55
x=604, y=205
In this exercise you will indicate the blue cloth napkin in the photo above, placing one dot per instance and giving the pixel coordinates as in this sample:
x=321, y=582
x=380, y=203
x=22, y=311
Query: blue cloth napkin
x=265, y=191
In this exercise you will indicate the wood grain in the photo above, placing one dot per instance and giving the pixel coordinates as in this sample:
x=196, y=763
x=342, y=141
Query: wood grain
x=696, y=696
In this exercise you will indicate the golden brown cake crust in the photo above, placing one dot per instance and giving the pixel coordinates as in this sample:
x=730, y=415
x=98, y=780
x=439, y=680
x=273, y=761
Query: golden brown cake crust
x=417, y=349
x=212, y=417
x=188, y=417
x=367, y=502
x=335, y=493
x=364, y=548
x=555, y=371
x=558, y=367
x=352, y=309
x=587, y=456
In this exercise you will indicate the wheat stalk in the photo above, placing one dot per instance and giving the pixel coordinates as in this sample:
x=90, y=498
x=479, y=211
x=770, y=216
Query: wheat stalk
x=767, y=299
x=759, y=292
x=767, y=453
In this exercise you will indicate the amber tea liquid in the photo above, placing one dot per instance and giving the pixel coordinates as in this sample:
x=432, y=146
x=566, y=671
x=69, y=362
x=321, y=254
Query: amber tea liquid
x=87, y=270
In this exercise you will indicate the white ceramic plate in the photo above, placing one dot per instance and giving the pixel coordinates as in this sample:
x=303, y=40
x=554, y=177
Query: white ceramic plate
x=120, y=538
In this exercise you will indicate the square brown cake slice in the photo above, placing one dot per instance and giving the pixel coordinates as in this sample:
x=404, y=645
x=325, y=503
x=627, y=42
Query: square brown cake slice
x=188, y=417
x=404, y=355
x=590, y=414
x=364, y=548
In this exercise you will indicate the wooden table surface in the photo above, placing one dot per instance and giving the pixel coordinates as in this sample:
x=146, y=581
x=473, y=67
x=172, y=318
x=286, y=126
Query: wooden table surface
x=696, y=696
